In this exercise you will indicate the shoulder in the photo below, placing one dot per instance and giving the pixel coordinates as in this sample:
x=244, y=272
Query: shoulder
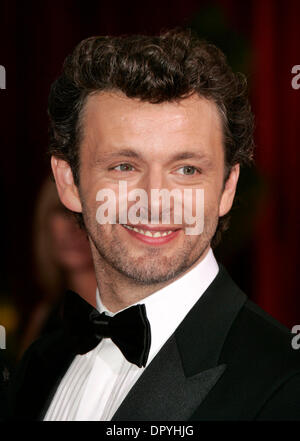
x=45, y=349
x=268, y=335
x=261, y=348
x=261, y=336
x=44, y=346
x=35, y=357
x=252, y=331
x=36, y=375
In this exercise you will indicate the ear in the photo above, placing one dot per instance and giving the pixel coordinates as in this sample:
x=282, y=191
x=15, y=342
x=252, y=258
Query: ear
x=229, y=191
x=67, y=190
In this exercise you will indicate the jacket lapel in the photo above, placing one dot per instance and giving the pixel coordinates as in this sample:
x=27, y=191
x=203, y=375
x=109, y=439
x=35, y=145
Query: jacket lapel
x=188, y=366
x=164, y=393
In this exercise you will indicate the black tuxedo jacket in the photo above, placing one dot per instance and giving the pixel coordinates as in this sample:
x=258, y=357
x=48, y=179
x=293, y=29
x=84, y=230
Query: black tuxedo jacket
x=227, y=360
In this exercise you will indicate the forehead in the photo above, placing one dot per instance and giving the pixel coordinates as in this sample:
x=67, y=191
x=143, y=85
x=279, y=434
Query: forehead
x=111, y=119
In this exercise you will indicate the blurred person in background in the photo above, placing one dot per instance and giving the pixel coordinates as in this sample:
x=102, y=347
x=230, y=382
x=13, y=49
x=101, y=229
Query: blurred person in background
x=63, y=261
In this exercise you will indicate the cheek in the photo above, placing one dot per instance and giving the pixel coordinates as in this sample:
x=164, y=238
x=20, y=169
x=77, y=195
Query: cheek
x=88, y=195
x=205, y=199
x=211, y=206
x=213, y=195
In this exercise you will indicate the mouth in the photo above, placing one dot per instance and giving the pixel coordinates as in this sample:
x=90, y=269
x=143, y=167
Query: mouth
x=152, y=235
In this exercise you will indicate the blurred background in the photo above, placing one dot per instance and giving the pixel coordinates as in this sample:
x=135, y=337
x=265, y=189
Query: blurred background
x=42, y=251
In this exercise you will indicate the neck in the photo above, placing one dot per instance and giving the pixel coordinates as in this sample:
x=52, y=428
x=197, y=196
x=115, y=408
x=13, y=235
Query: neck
x=119, y=291
x=113, y=285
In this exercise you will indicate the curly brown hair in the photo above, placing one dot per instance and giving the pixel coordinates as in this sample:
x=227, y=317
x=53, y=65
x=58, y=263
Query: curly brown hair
x=168, y=67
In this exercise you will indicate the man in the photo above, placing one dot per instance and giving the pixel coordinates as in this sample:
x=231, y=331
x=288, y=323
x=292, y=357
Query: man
x=155, y=113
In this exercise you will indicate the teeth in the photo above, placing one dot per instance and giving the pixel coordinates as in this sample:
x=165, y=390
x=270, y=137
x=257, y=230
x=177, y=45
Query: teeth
x=127, y=226
x=148, y=233
x=157, y=234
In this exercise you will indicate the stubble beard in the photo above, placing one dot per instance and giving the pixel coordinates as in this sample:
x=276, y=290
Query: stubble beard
x=153, y=267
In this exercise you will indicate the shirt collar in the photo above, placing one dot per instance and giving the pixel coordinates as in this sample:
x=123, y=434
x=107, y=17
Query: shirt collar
x=167, y=307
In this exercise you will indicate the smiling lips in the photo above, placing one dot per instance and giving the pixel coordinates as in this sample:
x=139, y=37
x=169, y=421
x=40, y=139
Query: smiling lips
x=152, y=235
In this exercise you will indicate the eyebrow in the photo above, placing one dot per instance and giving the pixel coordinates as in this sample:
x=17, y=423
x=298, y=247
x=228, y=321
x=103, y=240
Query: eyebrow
x=123, y=152
x=177, y=157
x=189, y=155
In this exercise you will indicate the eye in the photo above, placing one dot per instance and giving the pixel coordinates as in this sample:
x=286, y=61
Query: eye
x=189, y=170
x=123, y=167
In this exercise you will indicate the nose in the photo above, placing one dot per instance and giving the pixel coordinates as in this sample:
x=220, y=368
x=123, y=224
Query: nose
x=154, y=179
x=154, y=182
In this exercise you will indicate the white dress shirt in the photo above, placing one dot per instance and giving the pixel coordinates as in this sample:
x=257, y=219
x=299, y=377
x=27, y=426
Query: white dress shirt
x=96, y=383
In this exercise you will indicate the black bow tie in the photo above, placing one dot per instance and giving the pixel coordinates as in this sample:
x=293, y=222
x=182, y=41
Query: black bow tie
x=128, y=329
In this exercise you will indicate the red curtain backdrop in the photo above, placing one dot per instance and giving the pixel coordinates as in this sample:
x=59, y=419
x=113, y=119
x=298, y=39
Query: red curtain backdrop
x=276, y=49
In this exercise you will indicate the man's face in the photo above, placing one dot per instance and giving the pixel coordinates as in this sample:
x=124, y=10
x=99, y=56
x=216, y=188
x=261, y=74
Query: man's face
x=151, y=146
